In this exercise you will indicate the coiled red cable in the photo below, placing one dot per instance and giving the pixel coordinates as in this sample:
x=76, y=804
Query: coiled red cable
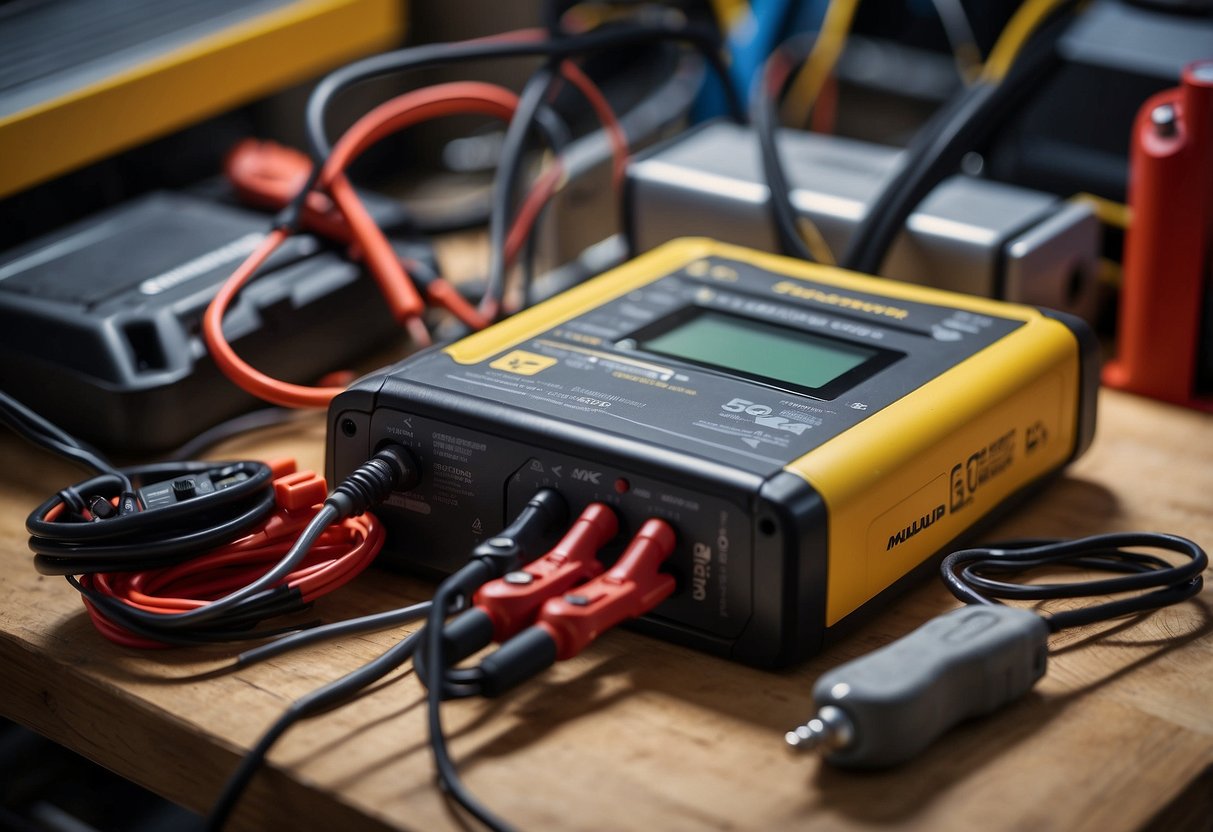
x=341, y=553
x=368, y=239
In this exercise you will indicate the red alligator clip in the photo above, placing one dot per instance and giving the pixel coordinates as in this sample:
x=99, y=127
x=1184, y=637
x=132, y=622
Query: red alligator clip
x=632, y=587
x=511, y=601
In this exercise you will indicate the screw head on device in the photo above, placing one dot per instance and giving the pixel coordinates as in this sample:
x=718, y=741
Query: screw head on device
x=1163, y=119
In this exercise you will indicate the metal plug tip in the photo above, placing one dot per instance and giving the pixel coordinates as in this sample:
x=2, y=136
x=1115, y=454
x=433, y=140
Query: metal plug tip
x=808, y=736
x=831, y=728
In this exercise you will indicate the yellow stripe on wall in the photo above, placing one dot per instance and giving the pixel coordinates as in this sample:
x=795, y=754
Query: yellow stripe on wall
x=208, y=76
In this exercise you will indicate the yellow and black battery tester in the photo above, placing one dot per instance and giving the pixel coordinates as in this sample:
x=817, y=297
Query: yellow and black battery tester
x=814, y=436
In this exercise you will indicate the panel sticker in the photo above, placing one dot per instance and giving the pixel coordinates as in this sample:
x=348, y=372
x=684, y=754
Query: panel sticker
x=523, y=363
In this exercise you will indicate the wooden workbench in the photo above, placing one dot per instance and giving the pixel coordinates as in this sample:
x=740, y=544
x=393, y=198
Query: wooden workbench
x=640, y=734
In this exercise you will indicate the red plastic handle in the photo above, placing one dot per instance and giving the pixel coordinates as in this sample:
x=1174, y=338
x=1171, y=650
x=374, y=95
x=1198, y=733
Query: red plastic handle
x=511, y=602
x=1168, y=244
x=632, y=587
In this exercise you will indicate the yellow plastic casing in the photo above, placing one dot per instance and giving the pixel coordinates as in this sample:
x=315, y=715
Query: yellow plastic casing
x=915, y=474
x=172, y=90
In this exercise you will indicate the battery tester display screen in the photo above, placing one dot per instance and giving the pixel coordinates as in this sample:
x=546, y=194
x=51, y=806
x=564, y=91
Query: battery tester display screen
x=759, y=350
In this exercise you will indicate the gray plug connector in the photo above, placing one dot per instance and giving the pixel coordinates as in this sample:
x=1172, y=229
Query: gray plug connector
x=886, y=707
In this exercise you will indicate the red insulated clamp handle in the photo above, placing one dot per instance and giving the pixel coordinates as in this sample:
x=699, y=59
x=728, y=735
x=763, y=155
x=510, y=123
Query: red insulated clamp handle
x=512, y=601
x=632, y=587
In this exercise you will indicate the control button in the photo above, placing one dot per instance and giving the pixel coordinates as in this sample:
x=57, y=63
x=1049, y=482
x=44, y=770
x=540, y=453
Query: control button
x=519, y=578
x=577, y=600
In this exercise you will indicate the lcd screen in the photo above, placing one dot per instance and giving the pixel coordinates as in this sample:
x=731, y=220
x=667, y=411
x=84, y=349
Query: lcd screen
x=758, y=349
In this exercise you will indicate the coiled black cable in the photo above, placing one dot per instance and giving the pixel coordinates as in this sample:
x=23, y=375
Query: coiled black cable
x=370, y=484
x=970, y=574
x=66, y=543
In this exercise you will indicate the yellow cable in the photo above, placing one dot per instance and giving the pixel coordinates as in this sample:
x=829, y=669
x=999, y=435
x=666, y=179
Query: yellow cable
x=728, y=13
x=1025, y=21
x=1108, y=211
x=815, y=242
x=1111, y=273
x=968, y=61
x=820, y=63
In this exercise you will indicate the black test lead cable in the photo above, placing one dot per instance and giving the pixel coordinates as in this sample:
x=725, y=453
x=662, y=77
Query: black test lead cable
x=517, y=542
x=884, y=708
x=80, y=530
x=771, y=83
x=703, y=38
x=318, y=701
x=937, y=148
x=46, y=435
x=509, y=169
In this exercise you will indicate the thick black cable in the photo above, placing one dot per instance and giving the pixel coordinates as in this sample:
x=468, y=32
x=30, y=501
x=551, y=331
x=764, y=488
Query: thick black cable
x=509, y=169
x=492, y=557
x=236, y=426
x=237, y=628
x=970, y=573
x=938, y=147
x=552, y=12
x=764, y=118
x=45, y=434
x=150, y=548
x=368, y=485
x=266, y=585
x=457, y=682
x=518, y=543
x=338, y=629
x=322, y=699
x=527, y=276
x=255, y=480
x=236, y=615
x=459, y=585
x=701, y=37
x=134, y=538
x=236, y=625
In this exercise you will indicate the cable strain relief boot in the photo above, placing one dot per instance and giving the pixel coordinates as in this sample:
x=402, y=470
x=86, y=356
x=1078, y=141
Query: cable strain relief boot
x=525, y=655
x=392, y=468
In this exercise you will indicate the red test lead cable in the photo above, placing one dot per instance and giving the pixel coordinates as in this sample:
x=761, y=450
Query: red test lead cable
x=568, y=624
x=264, y=178
x=402, y=111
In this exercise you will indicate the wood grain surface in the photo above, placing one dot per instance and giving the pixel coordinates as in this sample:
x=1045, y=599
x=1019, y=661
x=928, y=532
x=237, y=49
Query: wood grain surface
x=639, y=734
